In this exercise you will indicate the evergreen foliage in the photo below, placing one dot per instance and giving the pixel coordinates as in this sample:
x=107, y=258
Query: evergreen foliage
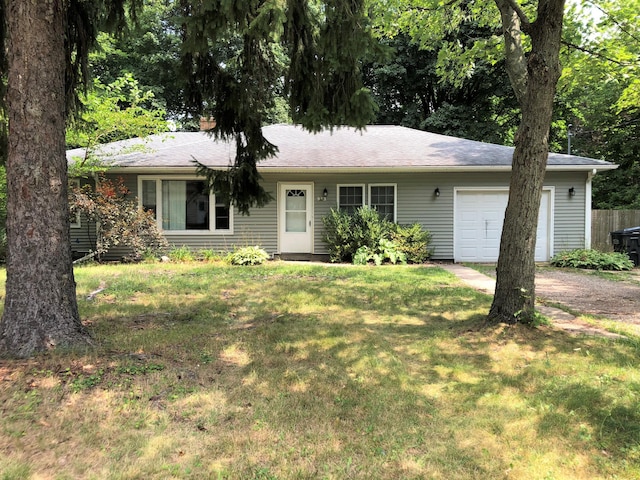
x=235, y=63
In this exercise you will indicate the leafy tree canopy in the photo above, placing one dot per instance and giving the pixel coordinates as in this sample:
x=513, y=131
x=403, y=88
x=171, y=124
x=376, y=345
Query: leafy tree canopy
x=600, y=95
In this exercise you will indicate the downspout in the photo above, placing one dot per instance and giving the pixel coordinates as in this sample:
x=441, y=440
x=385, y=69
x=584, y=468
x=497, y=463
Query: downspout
x=587, y=209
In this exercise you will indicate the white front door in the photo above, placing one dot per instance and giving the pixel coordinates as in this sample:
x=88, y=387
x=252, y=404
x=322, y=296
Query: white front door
x=478, y=225
x=295, y=207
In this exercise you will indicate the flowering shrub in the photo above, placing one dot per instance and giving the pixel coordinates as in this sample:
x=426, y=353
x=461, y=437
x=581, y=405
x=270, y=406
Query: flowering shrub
x=120, y=221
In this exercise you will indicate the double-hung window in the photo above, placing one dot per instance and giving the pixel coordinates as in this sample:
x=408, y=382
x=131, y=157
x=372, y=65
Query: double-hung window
x=382, y=198
x=350, y=197
x=184, y=205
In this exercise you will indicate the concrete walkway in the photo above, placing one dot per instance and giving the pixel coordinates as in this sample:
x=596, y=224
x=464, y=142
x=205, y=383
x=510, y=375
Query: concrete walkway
x=559, y=318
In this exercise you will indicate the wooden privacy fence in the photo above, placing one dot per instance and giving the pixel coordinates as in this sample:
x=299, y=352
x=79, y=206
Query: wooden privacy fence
x=603, y=222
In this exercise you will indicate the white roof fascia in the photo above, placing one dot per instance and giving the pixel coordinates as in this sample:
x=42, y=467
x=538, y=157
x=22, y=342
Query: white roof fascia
x=415, y=169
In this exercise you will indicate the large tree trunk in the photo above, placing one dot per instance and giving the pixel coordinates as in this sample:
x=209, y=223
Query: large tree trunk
x=40, y=306
x=515, y=283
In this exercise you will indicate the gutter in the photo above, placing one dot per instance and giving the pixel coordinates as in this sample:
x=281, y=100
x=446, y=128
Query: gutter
x=355, y=169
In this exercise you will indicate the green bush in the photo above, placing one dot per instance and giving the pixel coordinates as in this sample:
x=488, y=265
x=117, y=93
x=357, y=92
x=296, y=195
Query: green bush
x=347, y=234
x=592, y=259
x=338, y=236
x=385, y=250
x=368, y=228
x=248, y=256
x=413, y=241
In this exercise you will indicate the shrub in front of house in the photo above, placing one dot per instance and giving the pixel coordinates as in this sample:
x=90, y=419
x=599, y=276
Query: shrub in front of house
x=248, y=256
x=413, y=241
x=386, y=250
x=122, y=222
x=365, y=236
x=592, y=259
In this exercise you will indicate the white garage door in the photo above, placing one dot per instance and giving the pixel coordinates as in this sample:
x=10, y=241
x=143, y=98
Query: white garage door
x=478, y=225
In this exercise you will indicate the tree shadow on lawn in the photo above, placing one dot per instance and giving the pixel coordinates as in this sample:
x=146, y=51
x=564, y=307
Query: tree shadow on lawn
x=392, y=372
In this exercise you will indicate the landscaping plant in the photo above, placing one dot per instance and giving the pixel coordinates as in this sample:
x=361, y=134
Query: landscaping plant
x=592, y=259
x=413, y=241
x=385, y=250
x=121, y=222
x=248, y=256
x=366, y=232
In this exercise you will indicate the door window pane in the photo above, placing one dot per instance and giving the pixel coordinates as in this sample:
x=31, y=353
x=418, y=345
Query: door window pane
x=296, y=211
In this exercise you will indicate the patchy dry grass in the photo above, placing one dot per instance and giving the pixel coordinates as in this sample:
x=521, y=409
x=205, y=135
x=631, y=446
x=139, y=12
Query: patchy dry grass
x=304, y=371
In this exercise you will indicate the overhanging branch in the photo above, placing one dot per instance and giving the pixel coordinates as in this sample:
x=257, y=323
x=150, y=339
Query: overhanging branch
x=596, y=54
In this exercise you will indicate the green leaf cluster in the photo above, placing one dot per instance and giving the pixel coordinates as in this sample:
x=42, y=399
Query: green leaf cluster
x=593, y=260
x=413, y=241
x=599, y=95
x=385, y=250
x=250, y=255
x=113, y=112
x=365, y=236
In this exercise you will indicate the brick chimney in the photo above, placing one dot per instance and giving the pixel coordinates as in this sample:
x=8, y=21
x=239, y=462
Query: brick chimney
x=207, y=123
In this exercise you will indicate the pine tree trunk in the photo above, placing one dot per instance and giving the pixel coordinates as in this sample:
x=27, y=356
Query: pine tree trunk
x=514, y=298
x=40, y=306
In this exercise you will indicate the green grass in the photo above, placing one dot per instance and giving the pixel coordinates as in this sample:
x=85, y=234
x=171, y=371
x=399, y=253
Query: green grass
x=284, y=371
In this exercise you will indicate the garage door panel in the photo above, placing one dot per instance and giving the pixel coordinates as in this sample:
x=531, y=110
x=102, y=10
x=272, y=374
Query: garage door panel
x=468, y=234
x=478, y=223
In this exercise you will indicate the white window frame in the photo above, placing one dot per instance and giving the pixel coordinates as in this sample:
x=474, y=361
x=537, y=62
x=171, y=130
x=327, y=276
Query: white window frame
x=395, y=197
x=361, y=185
x=212, y=206
x=75, y=182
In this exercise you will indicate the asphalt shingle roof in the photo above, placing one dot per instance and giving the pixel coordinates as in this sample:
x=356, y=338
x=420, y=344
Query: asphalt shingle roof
x=379, y=147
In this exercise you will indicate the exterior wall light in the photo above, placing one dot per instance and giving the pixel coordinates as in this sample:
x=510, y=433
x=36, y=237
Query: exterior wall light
x=436, y=192
x=572, y=192
x=325, y=194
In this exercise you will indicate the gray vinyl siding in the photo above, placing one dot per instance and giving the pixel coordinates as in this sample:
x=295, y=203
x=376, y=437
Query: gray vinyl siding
x=569, y=218
x=416, y=202
x=83, y=235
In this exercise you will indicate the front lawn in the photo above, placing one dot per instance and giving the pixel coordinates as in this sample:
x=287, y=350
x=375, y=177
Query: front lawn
x=301, y=371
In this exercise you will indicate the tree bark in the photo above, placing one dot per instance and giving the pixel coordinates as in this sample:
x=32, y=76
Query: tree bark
x=514, y=297
x=40, y=306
